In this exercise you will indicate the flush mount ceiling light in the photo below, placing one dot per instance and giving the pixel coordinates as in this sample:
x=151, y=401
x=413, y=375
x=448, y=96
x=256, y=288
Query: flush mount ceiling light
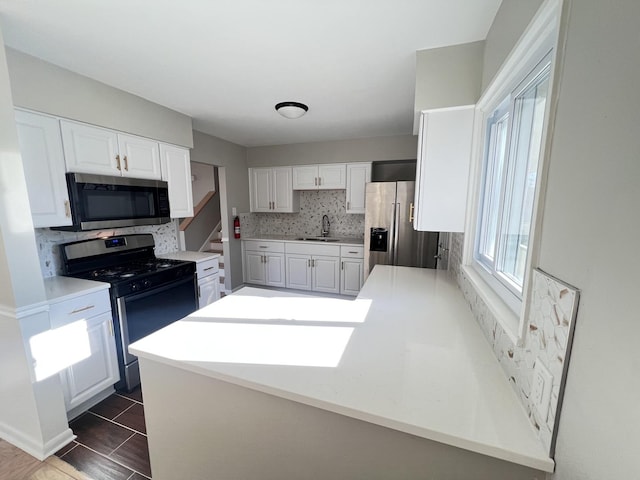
x=291, y=109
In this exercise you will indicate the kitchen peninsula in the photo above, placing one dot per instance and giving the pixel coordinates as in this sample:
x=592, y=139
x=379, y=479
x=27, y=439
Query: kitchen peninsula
x=398, y=383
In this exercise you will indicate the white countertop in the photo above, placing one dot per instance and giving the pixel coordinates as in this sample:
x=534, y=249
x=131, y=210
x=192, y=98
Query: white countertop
x=59, y=289
x=292, y=238
x=406, y=354
x=189, y=256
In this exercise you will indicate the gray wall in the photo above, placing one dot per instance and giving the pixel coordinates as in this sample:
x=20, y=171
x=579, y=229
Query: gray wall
x=234, y=192
x=591, y=226
x=359, y=150
x=590, y=237
x=447, y=77
x=512, y=18
x=44, y=87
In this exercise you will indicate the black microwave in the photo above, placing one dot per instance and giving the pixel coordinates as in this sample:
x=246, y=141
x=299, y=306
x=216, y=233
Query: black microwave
x=101, y=201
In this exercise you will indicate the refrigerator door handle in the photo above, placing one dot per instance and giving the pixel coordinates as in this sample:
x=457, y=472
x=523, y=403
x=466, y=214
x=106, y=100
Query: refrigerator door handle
x=392, y=235
x=396, y=233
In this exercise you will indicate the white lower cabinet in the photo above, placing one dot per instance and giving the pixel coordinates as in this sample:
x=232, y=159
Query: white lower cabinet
x=313, y=267
x=298, y=272
x=351, y=276
x=264, y=263
x=94, y=340
x=208, y=290
x=325, y=274
x=351, y=269
x=208, y=274
x=99, y=371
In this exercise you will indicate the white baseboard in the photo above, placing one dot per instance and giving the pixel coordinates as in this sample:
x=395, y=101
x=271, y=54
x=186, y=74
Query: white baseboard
x=33, y=446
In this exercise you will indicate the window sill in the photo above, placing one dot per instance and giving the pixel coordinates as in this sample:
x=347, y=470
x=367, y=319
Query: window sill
x=506, y=317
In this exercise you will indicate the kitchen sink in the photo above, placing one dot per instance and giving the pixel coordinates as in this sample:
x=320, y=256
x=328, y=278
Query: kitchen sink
x=318, y=239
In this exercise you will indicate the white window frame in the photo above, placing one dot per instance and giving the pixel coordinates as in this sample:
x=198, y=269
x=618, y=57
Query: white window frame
x=539, y=39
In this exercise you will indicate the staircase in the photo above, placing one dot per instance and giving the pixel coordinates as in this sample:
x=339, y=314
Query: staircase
x=215, y=246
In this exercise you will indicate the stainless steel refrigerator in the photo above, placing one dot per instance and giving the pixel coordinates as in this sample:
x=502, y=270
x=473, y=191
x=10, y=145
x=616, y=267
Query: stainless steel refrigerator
x=389, y=235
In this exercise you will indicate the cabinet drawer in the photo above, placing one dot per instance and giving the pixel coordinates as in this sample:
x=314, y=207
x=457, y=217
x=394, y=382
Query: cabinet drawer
x=262, y=246
x=85, y=306
x=351, y=252
x=207, y=267
x=313, y=249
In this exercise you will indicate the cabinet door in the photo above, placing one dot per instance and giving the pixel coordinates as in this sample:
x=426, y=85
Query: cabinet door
x=274, y=265
x=282, y=190
x=326, y=274
x=44, y=169
x=208, y=290
x=444, y=153
x=351, y=276
x=176, y=171
x=305, y=178
x=254, y=268
x=90, y=149
x=358, y=175
x=332, y=176
x=99, y=371
x=260, y=189
x=299, y=272
x=140, y=157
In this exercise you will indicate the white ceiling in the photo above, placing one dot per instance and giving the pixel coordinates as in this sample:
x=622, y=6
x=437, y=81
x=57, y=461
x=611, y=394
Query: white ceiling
x=226, y=63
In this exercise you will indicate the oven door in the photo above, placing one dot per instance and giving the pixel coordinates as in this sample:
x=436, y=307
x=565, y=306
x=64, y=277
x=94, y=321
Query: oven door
x=141, y=314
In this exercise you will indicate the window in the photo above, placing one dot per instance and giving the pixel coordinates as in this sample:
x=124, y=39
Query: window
x=513, y=143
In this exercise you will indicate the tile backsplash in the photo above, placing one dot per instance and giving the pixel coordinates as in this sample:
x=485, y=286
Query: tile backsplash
x=165, y=237
x=313, y=205
x=550, y=324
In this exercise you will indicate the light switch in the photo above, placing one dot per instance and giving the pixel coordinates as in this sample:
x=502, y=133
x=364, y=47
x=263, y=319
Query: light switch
x=541, y=389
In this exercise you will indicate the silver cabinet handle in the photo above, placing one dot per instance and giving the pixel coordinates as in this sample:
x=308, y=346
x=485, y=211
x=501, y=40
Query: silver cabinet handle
x=353, y=252
x=126, y=163
x=315, y=181
x=348, y=205
x=78, y=310
x=199, y=292
x=262, y=246
x=67, y=209
x=118, y=162
x=309, y=263
x=208, y=268
x=342, y=266
x=319, y=181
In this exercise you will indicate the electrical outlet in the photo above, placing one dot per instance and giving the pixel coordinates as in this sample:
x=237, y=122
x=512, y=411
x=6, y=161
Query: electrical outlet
x=541, y=389
x=234, y=211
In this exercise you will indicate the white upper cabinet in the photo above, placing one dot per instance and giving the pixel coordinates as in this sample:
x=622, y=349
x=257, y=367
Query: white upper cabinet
x=140, y=157
x=358, y=175
x=90, y=149
x=43, y=160
x=444, y=153
x=305, y=178
x=176, y=171
x=331, y=176
x=270, y=190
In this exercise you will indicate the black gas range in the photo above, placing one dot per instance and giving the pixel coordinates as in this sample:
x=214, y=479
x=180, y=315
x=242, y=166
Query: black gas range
x=147, y=293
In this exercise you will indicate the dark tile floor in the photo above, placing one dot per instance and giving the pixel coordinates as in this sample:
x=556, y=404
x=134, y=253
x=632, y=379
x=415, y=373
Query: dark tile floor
x=112, y=440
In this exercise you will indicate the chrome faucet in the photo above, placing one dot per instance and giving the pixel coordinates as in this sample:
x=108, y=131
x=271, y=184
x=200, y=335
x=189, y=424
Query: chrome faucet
x=325, y=226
